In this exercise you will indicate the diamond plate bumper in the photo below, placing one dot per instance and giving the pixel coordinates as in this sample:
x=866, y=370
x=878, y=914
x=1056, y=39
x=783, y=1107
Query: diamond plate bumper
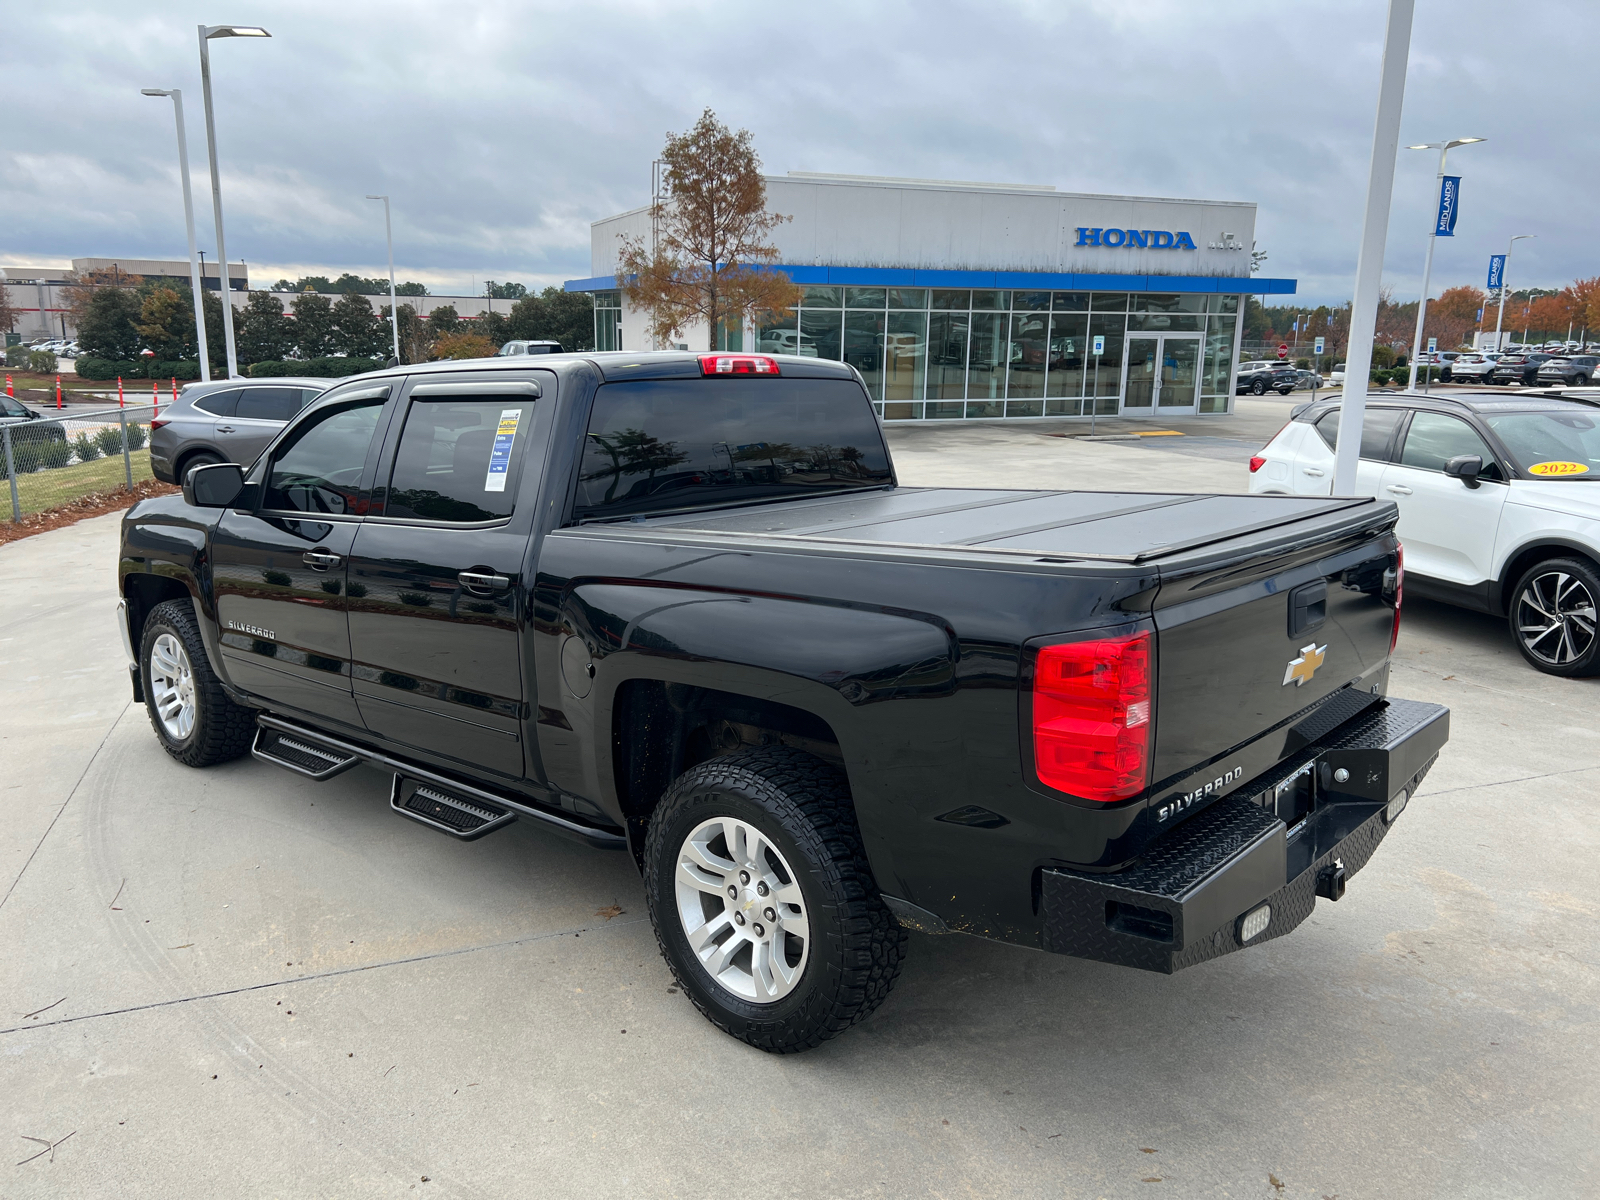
x=1184, y=901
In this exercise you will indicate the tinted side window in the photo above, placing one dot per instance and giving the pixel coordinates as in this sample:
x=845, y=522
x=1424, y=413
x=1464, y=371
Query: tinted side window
x=1434, y=439
x=268, y=403
x=1377, y=425
x=679, y=443
x=220, y=404
x=458, y=459
x=318, y=469
x=307, y=395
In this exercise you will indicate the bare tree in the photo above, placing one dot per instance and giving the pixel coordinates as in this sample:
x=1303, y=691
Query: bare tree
x=710, y=263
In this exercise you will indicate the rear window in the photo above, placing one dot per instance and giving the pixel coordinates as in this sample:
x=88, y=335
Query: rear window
x=656, y=445
x=220, y=404
x=268, y=404
x=458, y=459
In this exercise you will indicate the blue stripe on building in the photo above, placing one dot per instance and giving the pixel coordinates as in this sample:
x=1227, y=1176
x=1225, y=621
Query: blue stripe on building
x=1017, y=280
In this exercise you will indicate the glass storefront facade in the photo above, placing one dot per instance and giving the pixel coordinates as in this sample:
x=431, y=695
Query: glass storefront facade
x=608, y=320
x=938, y=353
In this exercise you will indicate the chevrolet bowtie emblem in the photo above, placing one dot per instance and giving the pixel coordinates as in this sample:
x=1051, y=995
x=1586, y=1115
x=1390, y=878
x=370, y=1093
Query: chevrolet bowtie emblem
x=1303, y=668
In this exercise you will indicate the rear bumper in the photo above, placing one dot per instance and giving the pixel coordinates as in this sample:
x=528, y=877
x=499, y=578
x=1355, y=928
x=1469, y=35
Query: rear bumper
x=1199, y=892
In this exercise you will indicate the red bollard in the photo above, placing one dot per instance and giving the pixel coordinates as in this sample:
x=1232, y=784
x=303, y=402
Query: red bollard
x=58, y=391
x=121, y=403
x=9, y=392
x=174, y=388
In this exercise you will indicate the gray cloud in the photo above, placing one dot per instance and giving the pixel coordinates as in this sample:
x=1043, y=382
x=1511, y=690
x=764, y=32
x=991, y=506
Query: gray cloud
x=501, y=131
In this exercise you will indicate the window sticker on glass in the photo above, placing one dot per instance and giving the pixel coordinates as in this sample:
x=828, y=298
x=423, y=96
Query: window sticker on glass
x=500, y=456
x=1558, y=468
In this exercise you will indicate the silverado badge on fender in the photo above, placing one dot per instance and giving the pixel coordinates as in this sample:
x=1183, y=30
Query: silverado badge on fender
x=1303, y=668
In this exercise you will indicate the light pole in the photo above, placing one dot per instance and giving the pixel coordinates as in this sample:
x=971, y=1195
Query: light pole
x=207, y=32
x=188, y=225
x=1504, y=267
x=1374, y=232
x=1443, y=148
x=394, y=313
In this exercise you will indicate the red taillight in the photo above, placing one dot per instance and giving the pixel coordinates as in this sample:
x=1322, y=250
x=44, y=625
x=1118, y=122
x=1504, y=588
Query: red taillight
x=738, y=364
x=1399, y=587
x=158, y=422
x=1091, y=717
x=1256, y=463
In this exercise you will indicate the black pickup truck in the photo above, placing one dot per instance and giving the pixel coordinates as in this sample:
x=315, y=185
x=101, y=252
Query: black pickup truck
x=678, y=605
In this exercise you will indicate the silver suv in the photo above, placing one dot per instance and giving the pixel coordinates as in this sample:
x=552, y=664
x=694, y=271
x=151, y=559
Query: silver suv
x=225, y=421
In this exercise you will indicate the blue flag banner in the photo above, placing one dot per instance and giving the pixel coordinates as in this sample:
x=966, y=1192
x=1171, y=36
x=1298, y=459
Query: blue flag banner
x=1449, y=200
x=1497, y=271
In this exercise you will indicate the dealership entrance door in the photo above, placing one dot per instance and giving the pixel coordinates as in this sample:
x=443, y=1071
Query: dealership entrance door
x=1162, y=374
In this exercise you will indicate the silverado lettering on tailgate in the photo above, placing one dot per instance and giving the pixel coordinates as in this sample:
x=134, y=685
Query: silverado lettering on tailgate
x=1187, y=800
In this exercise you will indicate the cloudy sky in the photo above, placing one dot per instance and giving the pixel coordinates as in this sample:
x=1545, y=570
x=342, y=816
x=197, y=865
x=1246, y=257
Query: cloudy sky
x=501, y=130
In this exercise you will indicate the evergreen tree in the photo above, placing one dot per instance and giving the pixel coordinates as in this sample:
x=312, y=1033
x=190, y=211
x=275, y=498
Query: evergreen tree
x=166, y=324
x=261, y=330
x=356, y=328
x=106, y=328
x=444, y=320
x=313, y=325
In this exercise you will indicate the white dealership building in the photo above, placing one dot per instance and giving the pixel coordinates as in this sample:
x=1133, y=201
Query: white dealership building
x=985, y=300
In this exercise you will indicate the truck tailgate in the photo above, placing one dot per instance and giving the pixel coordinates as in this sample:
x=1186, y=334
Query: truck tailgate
x=1257, y=629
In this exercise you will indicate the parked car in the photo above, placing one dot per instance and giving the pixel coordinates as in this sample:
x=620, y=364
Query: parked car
x=1308, y=379
x=1336, y=376
x=1260, y=377
x=1496, y=509
x=788, y=341
x=812, y=706
x=527, y=347
x=1574, y=369
x=29, y=434
x=1520, y=368
x=1473, y=367
x=228, y=420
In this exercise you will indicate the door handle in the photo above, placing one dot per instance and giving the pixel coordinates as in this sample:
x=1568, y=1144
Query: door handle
x=482, y=582
x=1312, y=471
x=225, y=429
x=320, y=560
x=1399, y=489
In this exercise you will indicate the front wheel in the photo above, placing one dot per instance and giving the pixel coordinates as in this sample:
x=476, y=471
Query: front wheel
x=1580, y=381
x=1258, y=388
x=1553, y=617
x=762, y=900
x=193, y=718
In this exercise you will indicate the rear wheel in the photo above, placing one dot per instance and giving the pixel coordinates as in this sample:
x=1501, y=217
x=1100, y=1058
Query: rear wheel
x=1580, y=380
x=1553, y=617
x=201, y=458
x=193, y=718
x=1285, y=391
x=762, y=900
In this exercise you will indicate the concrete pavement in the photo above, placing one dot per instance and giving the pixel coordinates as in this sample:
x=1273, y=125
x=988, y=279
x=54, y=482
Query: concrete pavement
x=237, y=982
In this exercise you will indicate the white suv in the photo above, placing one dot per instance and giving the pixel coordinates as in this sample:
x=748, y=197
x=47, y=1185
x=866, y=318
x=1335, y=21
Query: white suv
x=1499, y=503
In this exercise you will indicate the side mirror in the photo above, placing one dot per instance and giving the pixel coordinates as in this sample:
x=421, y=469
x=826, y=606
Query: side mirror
x=215, y=486
x=1465, y=467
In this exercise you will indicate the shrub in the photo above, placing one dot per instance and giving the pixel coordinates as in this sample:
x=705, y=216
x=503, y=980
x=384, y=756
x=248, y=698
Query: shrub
x=136, y=436
x=17, y=357
x=320, y=368
x=101, y=369
x=85, y=449
x=41, y=362
x=109, y=441
x=463, y=346
x=52, y=454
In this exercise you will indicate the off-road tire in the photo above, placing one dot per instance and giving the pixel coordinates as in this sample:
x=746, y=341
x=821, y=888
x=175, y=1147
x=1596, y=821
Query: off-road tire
x=222, y=729
x=802, y=804
x=1582, y=665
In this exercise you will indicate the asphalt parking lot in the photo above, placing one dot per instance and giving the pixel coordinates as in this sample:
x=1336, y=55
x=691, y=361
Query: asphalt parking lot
x=238, y=982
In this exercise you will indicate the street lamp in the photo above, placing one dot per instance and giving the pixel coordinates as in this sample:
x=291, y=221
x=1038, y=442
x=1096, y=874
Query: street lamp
x=394, y=315
x=206, y=33
x=1503, y=269
x=188, y=225
x=1443, y=148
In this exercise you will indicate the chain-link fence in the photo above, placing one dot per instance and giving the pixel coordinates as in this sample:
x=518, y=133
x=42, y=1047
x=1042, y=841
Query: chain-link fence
x=55, y=460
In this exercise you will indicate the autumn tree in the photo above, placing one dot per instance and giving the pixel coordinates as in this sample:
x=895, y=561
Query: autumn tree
x=8, y=314
x=465, y=344
x=166, y=324
x=710, y=262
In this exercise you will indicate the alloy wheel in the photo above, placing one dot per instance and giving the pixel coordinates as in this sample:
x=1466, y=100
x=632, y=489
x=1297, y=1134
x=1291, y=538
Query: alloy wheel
x=742, y=910
x=172, y=686
x=1556, y=618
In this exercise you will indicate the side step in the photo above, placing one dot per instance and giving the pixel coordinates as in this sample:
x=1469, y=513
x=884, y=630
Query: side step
x=303, y=753
x=440, y=808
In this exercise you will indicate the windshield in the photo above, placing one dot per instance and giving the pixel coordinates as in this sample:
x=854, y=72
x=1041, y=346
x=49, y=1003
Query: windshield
x=1551, y=445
